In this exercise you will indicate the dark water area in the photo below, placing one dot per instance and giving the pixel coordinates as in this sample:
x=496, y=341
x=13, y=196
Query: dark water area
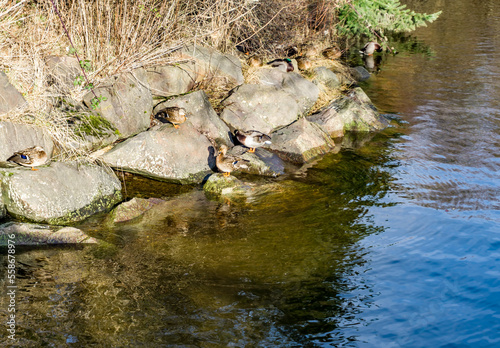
x=394, y=243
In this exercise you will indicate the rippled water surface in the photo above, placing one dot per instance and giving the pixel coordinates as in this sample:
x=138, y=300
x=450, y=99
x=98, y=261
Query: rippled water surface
x=392, y=244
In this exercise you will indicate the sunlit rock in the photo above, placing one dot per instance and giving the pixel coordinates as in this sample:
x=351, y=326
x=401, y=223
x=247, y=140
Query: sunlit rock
x=325, y=78
x=10, y=97
x=262, y=162
x=64, y=73
x=170, y=80
x=32, y=234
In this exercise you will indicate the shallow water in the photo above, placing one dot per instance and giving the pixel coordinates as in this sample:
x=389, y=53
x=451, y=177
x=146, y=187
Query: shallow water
x=393, y=244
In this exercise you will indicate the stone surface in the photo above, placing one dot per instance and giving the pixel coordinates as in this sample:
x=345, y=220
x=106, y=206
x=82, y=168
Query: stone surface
x=262, y=162
x=360, y=73
x=177, y=155
x=218, y=185
x=134, y=208
x=63, y=71
x=301, y=142
x=10, y=97
x=351, y=113
x=129, y=102
x=32, y=234
x=201, y=115
x=302, y=90
x=325, y=78
x=259, y=107
x=214, y=64
x=172, y=80
x=15, y=137
x=59, y=194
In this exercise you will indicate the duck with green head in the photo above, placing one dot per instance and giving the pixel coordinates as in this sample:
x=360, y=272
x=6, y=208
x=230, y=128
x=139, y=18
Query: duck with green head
x=30, y=157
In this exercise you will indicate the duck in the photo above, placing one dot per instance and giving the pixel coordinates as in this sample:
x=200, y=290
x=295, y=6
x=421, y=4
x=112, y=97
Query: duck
x=228, y=163
x=31, y=157
x=309, y=50
x=331, y=52
x=304, y=63
x=252, y=139
x=255, y=61
x=173, y=114
x=282, y=62
x=370, y=48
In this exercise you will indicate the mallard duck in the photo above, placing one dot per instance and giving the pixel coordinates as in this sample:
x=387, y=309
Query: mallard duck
x=255, y=61
x=228, y=163
x=252, y=139
x=331, y=53
x=30, y=157
x=309, y=50
x=291, y=51
x=370, y=48
x=173, y=114
x=304, y=63
x=282, y=62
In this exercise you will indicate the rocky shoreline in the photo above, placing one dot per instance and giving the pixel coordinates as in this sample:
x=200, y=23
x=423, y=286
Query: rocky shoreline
x=276, y=102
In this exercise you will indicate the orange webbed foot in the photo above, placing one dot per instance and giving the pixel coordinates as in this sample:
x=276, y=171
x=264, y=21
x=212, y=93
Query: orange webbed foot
x=226, y=174
x=252, y=150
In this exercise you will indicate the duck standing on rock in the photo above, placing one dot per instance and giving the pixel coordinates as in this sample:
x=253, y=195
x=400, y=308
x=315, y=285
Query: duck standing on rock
x=282, y=62
x=370, y=48
x=331, y=53
x=173, y=114
x=30, y=157
x=228, y=163
x=252, y=139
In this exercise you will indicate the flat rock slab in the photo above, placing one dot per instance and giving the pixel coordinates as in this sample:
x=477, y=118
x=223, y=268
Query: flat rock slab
x=32, y=234
x=134, y=208
x=128, y=103
x=59, y=194
x=259, y=107
x=170, y=80
x=177, y=155
x=214, y=64
x=16, y=137
x=351, y=113
x=302, y=90
x=301, y=142
x=10, y=97
x=201, y=115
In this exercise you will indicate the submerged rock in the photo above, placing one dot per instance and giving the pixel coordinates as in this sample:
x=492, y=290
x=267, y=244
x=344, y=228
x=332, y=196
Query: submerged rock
x=132, y=209
x=201, y=115
x=218, y=184
x=351, y=113
x=128, y=103
x=11, y=98
x=59, y=194
x=32, y=234
x=258, y=107
x=177, y=155
x=301, y=141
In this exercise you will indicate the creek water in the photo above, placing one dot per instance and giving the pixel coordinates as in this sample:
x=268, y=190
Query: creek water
x=391, y=243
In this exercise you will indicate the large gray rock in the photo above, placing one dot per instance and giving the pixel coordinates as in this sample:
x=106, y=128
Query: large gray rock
x=259, y=107
x=301, y=141
x=172, y=80
x=15, y=137
x=10, y=98
x=262, y=162
x=214, y=64
x=59, y=194
x=351, y=113
x=177, y=155
x=302, y=90
x=359, y=73
x=32, y=234
x=129, y=102
x=63, y=72
x=325, y=78
x=201, y=115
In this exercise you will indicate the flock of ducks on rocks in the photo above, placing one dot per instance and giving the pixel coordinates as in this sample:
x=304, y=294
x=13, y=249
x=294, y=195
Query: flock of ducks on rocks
x=36, y=155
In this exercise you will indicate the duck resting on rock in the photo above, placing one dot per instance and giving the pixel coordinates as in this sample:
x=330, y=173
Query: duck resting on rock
x=228, y=163
x=173, y=114
x=30, y=157
x=282, y=62
x=252, y=139
x=370, y=48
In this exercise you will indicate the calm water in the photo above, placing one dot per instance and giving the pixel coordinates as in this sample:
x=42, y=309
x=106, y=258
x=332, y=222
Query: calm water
x=392, y=244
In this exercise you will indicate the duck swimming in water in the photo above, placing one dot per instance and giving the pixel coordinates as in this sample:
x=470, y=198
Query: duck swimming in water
x=228, y=163
x=30, y=157
x=252, y=139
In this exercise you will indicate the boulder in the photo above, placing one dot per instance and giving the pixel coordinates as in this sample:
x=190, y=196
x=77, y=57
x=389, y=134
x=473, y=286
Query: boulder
x=262, y=162
x=132, y=209
x=301, y=141
x=15, y=137
x=215, y=65
x=351, y=113
x=259, y=107
x=359, y=73
x=218, y=185
x=32, y=234
x=325, y=78
x=177, y=155
x=10, y=97
x=59, y=194
x=302, y=90
x=170, y=80
x=128, y=103
x=201, y=115
x=63, y=72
